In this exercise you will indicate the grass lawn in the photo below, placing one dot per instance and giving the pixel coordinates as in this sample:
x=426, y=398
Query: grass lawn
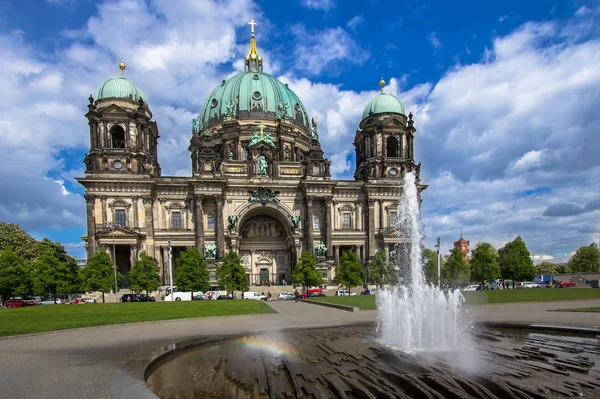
x=483, y=297
x=363, y=302
x=61, y=317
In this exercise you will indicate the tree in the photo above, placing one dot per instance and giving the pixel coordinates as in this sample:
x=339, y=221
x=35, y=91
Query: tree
x=562, y=268
x=14, y=279
x=546, y=268
x=305, y=272
x=381, y=270
x=429, y=261
x=515, y=261
x=350, y=271
x=585, y=259
x=144, y=274
x=456, y=269
x=52, y=276
x=192, y=274
x=13, y=236
x=98, y=274
x=231, y=275
x=484, y=263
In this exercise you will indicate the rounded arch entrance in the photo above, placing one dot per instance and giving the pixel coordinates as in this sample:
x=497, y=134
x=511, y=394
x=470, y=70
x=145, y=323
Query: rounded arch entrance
x=266, y=244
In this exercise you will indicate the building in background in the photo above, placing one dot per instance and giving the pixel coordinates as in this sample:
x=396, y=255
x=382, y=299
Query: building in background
x=463, y=246
x=260, y=184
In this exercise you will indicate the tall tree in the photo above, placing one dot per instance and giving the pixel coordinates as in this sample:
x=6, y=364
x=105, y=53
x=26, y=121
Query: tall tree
x=98, y=274
x=144, y=274
x=456, y=269
x=484, y=263
x=192, y=274
x=350, y=271
x=585, y=259
x=562, y=268
x=13, y=236
x=306, y=273
x=515, y=261
x=381, y=270
x=53, y=276
x=429, y=261
x=546, y=268
x=231, y=275
x=14, y=278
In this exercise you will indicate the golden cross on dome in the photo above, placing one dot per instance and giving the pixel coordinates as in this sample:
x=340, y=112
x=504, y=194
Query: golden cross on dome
x=262, y=127
x=252, y=24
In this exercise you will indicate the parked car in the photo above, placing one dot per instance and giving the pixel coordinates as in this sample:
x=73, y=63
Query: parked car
x=89, y=300
x=51, y=301
x=179, y=295
x=137, y=298
x=344, y=293
x=286, y=296
x=564, y=284
x=472, y=287
x=365, y=292
x=254, y=295
x=316, y=295
x=202, y=297
x=78, y=301
x=224, y=297
x=18, y=302
x=530, y=284
x=311, y=291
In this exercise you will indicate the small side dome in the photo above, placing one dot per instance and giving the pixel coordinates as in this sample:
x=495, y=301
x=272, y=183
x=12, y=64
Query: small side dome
x=383, y=103
x=121, y=88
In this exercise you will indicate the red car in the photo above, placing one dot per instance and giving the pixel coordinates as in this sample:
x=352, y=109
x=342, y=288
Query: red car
x=312, y=291
x=564, y=284
x=18, y=303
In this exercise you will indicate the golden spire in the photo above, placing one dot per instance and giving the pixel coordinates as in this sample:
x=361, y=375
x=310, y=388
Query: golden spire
x=122, y=67
x=382, y=84
x=253, y=60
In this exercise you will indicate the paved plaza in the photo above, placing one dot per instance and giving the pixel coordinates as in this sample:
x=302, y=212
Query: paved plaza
x=80, y=363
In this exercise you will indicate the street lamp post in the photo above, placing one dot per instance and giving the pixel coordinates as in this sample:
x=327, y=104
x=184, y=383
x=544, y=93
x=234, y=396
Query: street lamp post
x=438, y=263
x=171, y=270
x=114, y=226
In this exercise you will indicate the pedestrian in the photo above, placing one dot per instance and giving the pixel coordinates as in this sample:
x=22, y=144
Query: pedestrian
x=296, y=295
x=269, y=296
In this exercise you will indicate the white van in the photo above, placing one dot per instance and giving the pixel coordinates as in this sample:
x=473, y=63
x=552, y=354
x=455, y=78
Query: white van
x=179, y=295
x=344, y=293
x=253, y=295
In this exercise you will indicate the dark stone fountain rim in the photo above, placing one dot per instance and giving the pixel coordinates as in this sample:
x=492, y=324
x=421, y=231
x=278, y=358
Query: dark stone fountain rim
x=130, y=379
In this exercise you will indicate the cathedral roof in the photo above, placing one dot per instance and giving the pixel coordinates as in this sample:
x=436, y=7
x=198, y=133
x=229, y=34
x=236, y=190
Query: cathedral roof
x=121, y=88
x=253, y=94
x=383, y=103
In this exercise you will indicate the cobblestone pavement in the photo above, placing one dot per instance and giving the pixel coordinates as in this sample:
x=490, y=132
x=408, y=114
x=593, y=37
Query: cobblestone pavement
x=80, y=363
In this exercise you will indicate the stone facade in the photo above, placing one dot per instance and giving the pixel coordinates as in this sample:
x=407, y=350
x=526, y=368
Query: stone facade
x=259, y=186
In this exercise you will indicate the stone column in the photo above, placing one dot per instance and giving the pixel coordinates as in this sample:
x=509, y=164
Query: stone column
x=149, y=223
x=380, y=214
x=199, y=223
x=104, y=214
x=337, y=255
x=371, y=233
x=328, y=228
x=90, y=200
x=219, y=226
x=136, y=223
x=309, y=224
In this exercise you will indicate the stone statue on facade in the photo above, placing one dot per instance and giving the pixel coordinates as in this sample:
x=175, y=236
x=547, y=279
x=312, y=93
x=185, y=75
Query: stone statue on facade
x=210, y=251
x=320, y=249
x=196, y=124
x=262, y=166
x=315, y=129
x=282, y=110
x=230, y=111
x=233, y=219
x=295, y=221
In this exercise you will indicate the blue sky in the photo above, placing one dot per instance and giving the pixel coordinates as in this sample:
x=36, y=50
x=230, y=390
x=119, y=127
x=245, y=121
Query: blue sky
x=505, y=96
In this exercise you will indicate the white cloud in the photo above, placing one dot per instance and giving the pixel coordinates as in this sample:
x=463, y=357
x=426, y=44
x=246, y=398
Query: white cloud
x=435, y=42
x=529, y=160
x=543, y=258
x=326, y=50
x=355, y=22
x=502, y=18
x=318, y=4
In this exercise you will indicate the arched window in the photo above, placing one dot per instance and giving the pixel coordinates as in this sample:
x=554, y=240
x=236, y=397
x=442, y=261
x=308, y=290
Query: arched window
x=117, y=137
x=392, y=146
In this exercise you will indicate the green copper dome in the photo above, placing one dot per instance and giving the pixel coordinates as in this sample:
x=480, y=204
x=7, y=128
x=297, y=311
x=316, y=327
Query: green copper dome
x=120, y=88
x=383, y=103
x=253, y=94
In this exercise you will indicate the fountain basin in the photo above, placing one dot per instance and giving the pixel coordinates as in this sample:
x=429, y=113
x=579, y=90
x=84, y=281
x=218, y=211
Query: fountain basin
x=349, y=362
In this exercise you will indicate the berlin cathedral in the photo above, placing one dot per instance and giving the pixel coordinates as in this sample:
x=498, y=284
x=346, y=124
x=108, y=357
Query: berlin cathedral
x=260, y=184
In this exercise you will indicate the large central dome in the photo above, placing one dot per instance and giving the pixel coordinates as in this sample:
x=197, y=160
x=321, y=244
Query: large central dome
x=253, y=94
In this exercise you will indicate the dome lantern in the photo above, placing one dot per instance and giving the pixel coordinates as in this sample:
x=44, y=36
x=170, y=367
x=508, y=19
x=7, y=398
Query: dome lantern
x=121, y=88
x=383, y=103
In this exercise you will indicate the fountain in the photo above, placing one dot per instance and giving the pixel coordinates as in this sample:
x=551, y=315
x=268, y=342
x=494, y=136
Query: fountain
x=413, y=315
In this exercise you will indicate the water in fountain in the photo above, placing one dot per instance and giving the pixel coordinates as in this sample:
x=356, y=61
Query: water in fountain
x=413, y=315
